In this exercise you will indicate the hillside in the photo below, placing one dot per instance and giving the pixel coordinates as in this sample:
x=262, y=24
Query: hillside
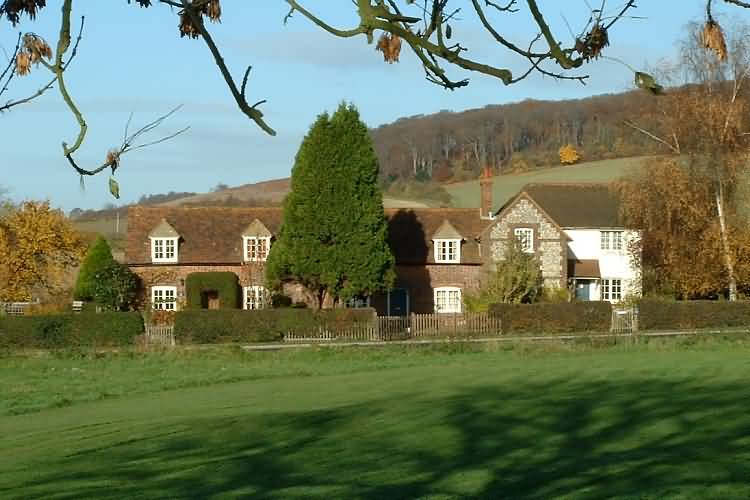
x=455, y=146
x=466, y=194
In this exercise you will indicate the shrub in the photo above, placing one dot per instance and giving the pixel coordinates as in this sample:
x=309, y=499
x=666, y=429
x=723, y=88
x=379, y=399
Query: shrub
x=265, y=325
x=55, y=331
x=226, y=284
x=98, y=257
x=115, y=287
x=545, y=318
x=692, y=314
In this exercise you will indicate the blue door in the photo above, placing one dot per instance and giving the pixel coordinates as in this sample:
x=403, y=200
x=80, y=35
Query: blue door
x=583, y=289
x=398, y=302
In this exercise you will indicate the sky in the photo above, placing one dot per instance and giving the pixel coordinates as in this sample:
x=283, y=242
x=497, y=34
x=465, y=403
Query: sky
x=132, y=60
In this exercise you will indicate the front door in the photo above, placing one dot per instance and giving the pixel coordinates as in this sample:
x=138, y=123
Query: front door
x=398, y=302
x=210, y=300
x=583, y=289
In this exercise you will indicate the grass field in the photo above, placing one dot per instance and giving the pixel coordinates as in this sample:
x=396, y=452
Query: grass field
x=466, y=194
x=653, y=421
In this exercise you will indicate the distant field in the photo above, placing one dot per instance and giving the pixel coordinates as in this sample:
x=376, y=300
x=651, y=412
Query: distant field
x=651, y=421
x=466, y=194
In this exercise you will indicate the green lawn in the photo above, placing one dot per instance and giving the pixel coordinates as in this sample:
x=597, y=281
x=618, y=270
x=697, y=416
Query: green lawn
x=653, y=421
x=466, y=194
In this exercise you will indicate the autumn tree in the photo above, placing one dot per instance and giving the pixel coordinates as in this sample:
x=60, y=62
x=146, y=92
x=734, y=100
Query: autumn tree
x=432, y=30
x=705, y=123
x=37, y=246
x=333, y=239
x=569, y=155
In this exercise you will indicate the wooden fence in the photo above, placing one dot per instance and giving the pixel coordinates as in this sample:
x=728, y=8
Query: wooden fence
x=384, y=328
x=160, y=335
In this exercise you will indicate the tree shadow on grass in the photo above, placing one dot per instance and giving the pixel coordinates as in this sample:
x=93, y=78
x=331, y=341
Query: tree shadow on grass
x=578, y=439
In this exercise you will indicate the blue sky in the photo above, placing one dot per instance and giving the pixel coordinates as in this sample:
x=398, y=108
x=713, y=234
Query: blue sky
x=133, y=60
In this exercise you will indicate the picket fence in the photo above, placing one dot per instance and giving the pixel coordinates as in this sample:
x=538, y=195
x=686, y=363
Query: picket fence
x=160, y=335
x=383, y=328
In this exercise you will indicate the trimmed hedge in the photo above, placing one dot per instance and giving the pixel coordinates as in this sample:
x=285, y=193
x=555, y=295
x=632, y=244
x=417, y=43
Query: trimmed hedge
x=58, y=331
x=265, y=325
x=544, y=318
x=226, y=284
x=692, y=314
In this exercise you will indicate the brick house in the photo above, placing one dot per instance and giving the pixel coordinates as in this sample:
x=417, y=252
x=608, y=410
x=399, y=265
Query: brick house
x=440, y=253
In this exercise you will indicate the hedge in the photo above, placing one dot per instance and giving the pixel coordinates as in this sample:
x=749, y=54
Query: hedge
x=692, y=314
x=265, y=325
x=226, y=284
x=82, y=330
x=544, y=318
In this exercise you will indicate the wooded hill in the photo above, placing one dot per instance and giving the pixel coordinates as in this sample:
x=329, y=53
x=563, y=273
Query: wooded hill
x=450, y=146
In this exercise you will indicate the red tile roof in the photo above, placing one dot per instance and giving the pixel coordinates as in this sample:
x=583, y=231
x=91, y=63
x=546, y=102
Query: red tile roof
x=213, y=235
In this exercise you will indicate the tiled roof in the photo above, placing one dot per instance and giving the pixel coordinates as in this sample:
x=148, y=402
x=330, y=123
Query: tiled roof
x=256, y=228
x=214, y=234
x=207, y=235
x=578, y=205
x=446, y=231
x=583, y=268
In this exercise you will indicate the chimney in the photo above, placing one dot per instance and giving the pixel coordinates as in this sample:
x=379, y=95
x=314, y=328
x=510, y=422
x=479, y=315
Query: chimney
x=485, y=186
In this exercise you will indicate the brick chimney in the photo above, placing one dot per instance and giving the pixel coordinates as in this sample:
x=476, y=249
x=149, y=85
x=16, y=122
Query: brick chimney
x=485, y=185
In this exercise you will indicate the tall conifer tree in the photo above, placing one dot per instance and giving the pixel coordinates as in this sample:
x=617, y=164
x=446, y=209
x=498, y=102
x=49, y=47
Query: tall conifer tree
x=333, y=240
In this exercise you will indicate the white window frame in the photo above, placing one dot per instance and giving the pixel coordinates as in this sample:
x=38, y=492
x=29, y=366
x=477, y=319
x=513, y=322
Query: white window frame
x=447, y=251
x=260, y=297
x=255, y=239
x=162, y=304
x=165, y=242
x=612, y=240
x=447, y=291
x=519, y=233
x=611, y=289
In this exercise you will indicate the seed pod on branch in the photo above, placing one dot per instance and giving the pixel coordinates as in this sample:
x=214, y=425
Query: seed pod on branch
x=187, y=28
x=712, y=38
x=390, y=46
x=14, y=8
x=23, y=63
x=593, y=43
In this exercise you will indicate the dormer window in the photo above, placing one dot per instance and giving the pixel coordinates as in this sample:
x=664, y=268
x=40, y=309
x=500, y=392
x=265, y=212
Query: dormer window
x=448, y=251
x=447, y=244
x=164, y=243
x=256, y=248
x=256, y=242
x=164, y=249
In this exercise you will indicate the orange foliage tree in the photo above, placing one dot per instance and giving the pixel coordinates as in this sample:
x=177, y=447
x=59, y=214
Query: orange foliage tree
x=569, y=155
x=37, y=245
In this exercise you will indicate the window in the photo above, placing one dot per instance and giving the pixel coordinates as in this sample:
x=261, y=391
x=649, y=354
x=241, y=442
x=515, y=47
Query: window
x=525, y=237
x=611, y=240
x=256, y=248
x=611, y=290
x=256, y=297
x=164, y=249
x=358, y=302
x=448, y=300
x=164, y=298
x=447, y=250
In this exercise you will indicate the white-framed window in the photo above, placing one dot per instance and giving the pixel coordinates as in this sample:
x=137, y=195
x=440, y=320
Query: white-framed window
x=164, y=249
x=164, y=298
x=612, y=240
x=256, y=297
x=358, y=302
x=611, y=289
x=256, y=248
x=448, y=299
x=525, y=237
x=448, y=251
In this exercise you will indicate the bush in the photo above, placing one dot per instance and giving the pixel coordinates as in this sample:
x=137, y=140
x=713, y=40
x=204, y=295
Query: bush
x=56, y=331
x=546, y=318
x=265, y=325
x=226, y=284
x=692, y=314
x=98, y=257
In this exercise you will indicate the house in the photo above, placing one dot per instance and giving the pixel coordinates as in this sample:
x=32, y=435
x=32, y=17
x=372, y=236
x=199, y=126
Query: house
x=441, y=253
